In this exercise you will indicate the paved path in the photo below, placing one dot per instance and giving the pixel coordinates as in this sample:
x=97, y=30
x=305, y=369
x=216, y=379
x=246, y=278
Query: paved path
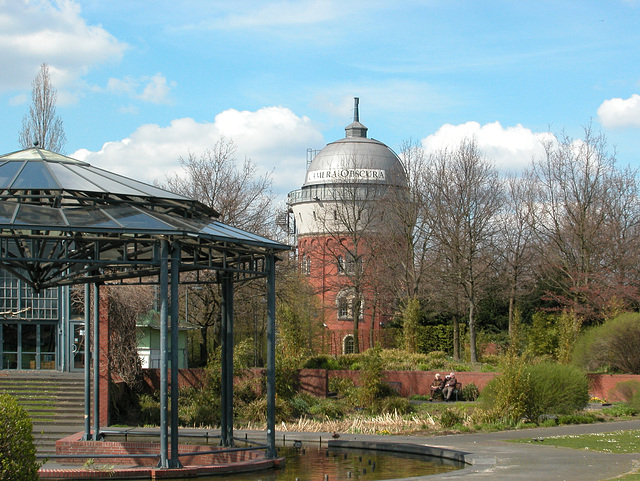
x=493, y=457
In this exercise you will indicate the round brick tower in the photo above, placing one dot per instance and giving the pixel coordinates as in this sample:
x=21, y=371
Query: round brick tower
x=341, y=215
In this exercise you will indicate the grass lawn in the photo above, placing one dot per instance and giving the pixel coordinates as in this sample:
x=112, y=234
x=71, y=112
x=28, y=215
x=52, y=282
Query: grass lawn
x=614, y=442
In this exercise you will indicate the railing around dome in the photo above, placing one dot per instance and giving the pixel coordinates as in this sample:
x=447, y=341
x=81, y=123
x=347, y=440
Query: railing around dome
x=339, y=193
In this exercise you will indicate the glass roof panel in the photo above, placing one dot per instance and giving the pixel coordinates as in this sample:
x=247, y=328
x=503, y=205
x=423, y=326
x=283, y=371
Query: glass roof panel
x=39, y=215
x=6, y=212
x=70, y=178
x=140, y=187
x=180, y=223
x=131, y=218
x=8, y=171
x=28, y=154
x=101, y=183
x=89, y=217
x=35, y=175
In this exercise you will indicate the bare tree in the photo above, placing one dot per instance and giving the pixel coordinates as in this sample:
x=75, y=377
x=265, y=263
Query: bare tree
x=41, y=126
x=516, y=240
x=216, y=178
x=244, y=200
x=465, y=198
x=586, y=219
x=410, y=234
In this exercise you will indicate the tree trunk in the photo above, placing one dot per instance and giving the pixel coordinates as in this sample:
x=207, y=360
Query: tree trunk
x=472, y=333
x=204, y=342
x=456, y=338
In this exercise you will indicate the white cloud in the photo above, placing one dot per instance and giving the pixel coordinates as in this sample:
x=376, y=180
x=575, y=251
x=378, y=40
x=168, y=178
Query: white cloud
x=510, y=148
x=148, y=89
x=274, y=138
x=52, y=32
x=619, y=112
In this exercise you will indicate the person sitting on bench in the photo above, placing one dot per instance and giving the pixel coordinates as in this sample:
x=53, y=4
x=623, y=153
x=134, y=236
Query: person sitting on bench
x=449, y=386
x=436, y=386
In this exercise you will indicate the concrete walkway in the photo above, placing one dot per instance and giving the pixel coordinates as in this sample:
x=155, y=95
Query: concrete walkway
x=492, y=456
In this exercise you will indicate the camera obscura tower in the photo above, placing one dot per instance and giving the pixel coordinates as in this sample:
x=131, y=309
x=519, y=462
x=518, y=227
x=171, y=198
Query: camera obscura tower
x=344, y=222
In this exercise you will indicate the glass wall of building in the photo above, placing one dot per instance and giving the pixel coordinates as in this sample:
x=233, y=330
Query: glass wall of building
x=29, y=323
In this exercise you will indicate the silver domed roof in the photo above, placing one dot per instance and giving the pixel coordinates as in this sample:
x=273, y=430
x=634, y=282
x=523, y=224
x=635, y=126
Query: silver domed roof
x=356, y=158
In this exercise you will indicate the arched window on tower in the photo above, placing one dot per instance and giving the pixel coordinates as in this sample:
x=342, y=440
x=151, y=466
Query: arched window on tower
x=305, y=265
x=348, y=344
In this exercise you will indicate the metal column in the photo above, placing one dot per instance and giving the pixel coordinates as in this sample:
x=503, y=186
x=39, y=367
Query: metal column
x=87, y=363
x=226, y=424
x=96, y=363
x=175, y=362
x=164, y=291
x=271, y=356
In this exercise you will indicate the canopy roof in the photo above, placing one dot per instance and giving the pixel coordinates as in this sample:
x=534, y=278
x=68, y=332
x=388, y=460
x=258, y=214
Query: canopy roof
x=63, y=221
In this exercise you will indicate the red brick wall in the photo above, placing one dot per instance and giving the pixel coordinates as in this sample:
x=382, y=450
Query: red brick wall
x=408, y=383
x=74, y=445
x=105, y=373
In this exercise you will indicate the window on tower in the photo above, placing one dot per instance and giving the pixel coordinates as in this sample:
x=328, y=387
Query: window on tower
x=349, y=345
x=305, y=265
x=345, y=304
x=348, y=265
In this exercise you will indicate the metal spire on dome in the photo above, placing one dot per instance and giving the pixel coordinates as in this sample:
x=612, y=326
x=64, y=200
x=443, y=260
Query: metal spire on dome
x=356, y=129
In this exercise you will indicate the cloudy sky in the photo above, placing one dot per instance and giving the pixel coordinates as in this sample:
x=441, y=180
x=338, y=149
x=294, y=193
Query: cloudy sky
x=141, y=83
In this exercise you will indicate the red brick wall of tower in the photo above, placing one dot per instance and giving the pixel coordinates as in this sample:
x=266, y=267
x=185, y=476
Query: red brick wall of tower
x=318, y=258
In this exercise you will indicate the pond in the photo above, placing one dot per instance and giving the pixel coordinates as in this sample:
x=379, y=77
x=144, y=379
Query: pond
x=338, y=464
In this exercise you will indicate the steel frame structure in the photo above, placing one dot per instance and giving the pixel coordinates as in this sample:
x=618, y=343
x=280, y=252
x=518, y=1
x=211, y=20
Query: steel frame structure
x=65, y=222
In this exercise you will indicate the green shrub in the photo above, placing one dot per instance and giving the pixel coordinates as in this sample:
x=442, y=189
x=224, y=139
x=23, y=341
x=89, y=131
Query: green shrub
x=328, y=409
x=199, y=408
x=530, y=391
x=301, y=403
x=322, y=361
x=371, y=385
x=556, y=389
x=450, y=417
x=620, y=410
x=256, y=411
x=505, y=399
x=615, y=344
x=549, y=422
x=470, y=392
x=342, y=386
x=393, y=404
x=149, y=410
x=287, y=382
x=628, y=390
x=420, y=397
x=17, y=451
x=542, y=335
x=576, y=419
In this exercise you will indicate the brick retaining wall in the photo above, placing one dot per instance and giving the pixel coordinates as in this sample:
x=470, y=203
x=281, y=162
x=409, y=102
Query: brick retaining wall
x=128, y=449
x=408, y=383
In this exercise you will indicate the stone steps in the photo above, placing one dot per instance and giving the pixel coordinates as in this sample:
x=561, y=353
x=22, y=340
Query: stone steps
x=53, y=400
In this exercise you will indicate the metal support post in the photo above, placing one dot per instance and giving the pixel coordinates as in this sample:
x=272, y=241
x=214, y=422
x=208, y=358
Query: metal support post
x=96, y=363
x=164, y=291
x=87, y=363
x=175, y=363
x=228, y=289
x=271, y=356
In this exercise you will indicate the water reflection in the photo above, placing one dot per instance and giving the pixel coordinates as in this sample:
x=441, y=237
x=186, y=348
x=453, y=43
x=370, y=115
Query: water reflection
x=341, y=464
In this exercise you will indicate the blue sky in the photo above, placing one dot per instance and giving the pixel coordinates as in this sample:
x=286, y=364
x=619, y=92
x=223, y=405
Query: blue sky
x=141, y=83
